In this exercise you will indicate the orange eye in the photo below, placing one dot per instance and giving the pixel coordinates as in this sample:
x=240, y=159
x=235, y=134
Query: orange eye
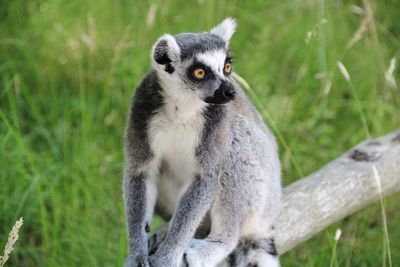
x=199, y=73
x=228, y=68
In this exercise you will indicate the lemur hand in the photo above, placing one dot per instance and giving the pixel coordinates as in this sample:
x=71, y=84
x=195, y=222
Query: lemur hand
x=159, y=261
x=137, y=261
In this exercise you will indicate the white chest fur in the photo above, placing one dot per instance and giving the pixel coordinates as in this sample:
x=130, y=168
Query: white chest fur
x=174, y=133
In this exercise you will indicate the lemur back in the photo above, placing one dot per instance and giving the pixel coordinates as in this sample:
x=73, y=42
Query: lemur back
x=198, y=151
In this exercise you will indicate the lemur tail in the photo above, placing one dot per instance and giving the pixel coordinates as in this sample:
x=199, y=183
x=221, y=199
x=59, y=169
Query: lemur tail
x=255, y=253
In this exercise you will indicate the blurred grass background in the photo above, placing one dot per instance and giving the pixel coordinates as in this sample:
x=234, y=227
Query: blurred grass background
x=69, y=68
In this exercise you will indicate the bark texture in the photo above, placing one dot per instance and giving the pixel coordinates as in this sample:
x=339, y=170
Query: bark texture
x=344, y=186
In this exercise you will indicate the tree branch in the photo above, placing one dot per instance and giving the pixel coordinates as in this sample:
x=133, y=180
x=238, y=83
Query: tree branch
x=339, y=189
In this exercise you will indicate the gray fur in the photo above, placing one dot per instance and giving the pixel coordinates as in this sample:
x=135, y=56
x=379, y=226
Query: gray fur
x=194, y=43
x=208, y=168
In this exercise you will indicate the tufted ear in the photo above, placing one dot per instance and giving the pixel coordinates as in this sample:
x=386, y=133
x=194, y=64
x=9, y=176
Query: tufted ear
x=165, y=51
x=225, y=29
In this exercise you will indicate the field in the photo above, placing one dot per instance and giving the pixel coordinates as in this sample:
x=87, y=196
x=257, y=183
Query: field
x=69, y=68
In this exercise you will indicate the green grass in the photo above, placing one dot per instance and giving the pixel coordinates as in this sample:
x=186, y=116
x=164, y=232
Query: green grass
x=69, y=68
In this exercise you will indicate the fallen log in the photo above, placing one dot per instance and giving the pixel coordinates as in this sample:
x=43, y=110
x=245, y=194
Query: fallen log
x=344, y=186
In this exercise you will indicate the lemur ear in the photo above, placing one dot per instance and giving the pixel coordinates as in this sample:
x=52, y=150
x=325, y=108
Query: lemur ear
x=165, y=51
x=225, y=29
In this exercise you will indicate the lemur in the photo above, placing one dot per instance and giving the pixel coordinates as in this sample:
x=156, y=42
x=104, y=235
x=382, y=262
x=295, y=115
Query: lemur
x=199, y=153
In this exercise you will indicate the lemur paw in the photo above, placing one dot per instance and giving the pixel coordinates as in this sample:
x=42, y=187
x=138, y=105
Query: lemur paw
x=157, y=261
x=137, y=261
x=155, y=240
x=190, y=259
x=193, y=256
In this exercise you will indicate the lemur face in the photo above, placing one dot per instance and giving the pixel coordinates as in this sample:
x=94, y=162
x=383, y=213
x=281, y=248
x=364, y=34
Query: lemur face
x=197, y=65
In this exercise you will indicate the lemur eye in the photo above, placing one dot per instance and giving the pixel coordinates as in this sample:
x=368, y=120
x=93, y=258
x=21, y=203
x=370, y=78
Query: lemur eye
x=228, y=68
x=199, y=73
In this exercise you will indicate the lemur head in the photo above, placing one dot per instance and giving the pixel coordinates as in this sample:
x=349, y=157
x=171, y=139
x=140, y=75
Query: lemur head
x=197, y=65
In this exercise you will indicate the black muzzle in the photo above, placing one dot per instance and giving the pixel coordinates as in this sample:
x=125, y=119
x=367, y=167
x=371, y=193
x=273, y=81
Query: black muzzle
x=225, y=93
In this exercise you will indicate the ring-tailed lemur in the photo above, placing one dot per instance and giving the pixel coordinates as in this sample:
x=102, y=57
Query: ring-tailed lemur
x=199, y=153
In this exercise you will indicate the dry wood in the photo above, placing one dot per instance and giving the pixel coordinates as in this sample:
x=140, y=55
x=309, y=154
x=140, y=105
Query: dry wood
x=339, y=189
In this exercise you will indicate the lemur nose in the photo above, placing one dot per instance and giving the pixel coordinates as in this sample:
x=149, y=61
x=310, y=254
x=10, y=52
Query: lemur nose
x=225, y=93
x=229, y=93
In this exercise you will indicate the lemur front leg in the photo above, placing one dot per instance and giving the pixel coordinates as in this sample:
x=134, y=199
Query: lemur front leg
x=223, y=238
x=139, y=194
x=192, y=207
